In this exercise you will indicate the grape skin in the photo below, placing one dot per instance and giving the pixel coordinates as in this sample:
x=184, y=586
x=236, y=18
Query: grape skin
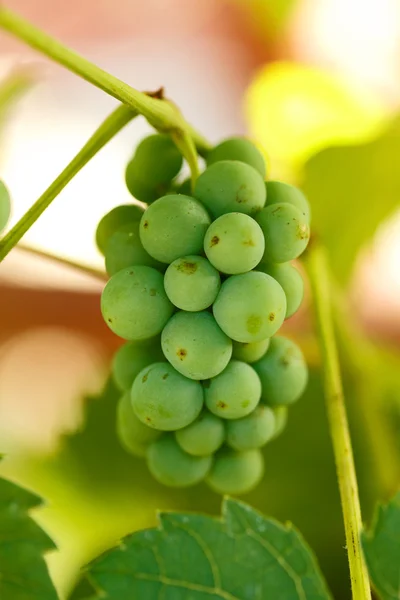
x=250, y=351
x=241, y=149
x=134, y=436
x=291, y=281
x=155, y=163
x=283, y=372
x=236, y=472
x=234, y=393
x=278, y=192
x=281, y=417
x=253, y=431
x=203, y=437
x=234, y=243
x=231, y=186
x=5, y=205
x=174, y=226
x=124, y=249
x=286, y=232
x=173, y=467
x=163, y=399
x=113, y=220
x=192, y=283
x=250, y=307
x=134, y=304
x=195, y=345
x=131, y=358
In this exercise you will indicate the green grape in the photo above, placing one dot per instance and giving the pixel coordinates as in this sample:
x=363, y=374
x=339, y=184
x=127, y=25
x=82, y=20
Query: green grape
x=253, y=431
x=124, y=249
x=132, y=433
x=250, y=307
x=171, y=466
x=238, y=148
x=155, y=163
x=195, y=345
x=5, y=206
x=236, y=472
x=291, y=281
x=286, y=232
x=162, y=398
x=131, y=358
x=278, y=192
x=231, y=186
x=202, y=437
x=134, y=304
x=234, y=393
x=113, y=220
x=192, y=283
x=283, y=372
x=234, y=243
x=250, y=351
x=281, y=417
x=174, y=226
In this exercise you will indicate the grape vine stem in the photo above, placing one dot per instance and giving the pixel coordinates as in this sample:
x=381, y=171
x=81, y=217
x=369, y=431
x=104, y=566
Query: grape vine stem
x=67, y=262
x=319, y=274
x=162, y=114
x=114, y=123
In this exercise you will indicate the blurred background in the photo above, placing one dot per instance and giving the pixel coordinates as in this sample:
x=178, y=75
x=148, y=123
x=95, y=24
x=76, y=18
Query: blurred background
x=317, y=84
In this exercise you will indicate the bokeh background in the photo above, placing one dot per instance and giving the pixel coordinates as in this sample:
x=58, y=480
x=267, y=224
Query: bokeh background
x=317, y=84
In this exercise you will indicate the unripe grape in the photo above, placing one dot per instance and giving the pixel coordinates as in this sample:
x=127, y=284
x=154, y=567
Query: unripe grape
x=283, y=372
x=131, y=358
x=192, y=283
x=250, y=307
x=173, y=467
x=281, y=417
x=113, y=220
x=234, y=393
x=291, y=281
x=234, y=243
x=195, y=345
x=124, y=249
x=278, y=192
x=250, y=351
x=134, y=303
x=241, y=149
x=163, y=399
x=174, y=226
x=236, y=472
x=155, y=163
x=286, y=232
x=5, y=206
x=203, y=437
x=231, y=186
x=132, y=433
x=253, y=431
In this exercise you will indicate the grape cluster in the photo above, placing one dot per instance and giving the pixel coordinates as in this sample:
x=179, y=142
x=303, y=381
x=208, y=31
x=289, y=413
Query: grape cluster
x=199, y=286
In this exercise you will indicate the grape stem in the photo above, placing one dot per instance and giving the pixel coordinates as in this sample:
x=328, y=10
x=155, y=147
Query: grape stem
x=61, y=260
x=319, y=275
x=114, y=123
x=162, y=114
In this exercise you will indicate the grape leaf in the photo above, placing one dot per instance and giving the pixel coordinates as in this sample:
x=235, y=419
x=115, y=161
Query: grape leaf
x=23, y=571
x=242, y=556
x=382, y=550
x=351, y=190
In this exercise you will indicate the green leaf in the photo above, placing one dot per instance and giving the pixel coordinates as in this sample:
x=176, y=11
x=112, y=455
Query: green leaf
x=242, y=556
x=382, y=550
x=23, y=571
x=351, y=190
